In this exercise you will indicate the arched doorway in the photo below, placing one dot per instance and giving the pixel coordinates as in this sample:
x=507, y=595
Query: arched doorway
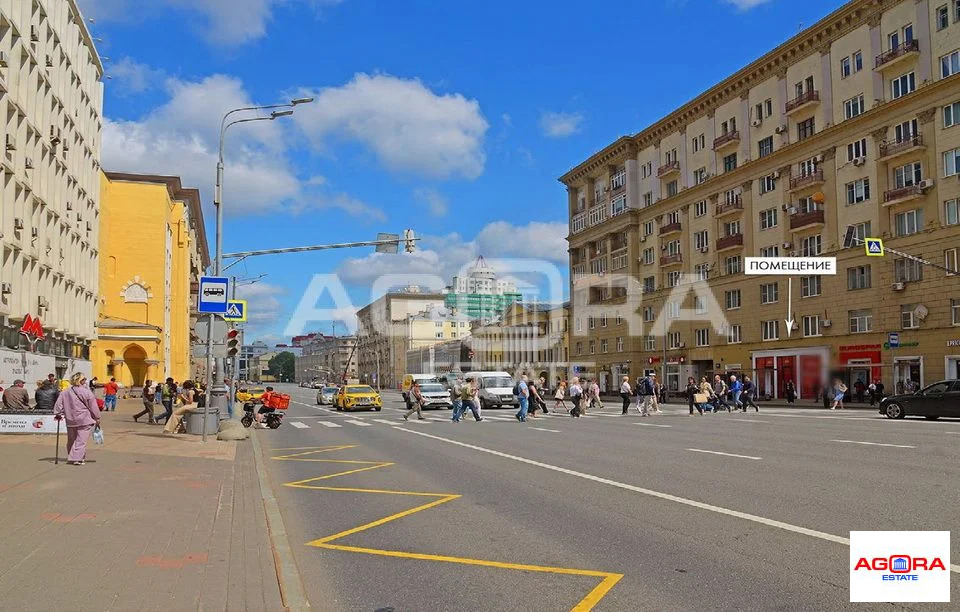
x=135, y=358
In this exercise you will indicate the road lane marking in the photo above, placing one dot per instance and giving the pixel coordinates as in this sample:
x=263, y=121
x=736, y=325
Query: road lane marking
x=652, y=425
x=751, y=421
x=821, y=535
x=329, y=424
x=700, y=450
x=358, y=422
x=545, y=429
x=609, y=579
x=299, y=425
x=873, y=443
x=385, y=421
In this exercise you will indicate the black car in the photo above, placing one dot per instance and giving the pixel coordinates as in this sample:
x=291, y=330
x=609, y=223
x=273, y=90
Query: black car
x=941, y=399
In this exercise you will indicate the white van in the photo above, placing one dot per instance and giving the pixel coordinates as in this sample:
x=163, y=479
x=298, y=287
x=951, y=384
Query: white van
x=495, y=389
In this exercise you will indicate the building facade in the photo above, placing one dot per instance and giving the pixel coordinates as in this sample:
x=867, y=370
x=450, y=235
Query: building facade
x=446, y=356
x=153, y=250
x=247, y=363
x=330, y=358
x=530, y=338
x=51, y=103
x=855, y=121
x=479, y=294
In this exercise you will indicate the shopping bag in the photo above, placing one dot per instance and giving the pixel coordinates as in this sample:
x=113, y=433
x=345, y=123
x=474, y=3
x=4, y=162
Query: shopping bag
x=700, y=398
x=97, y=435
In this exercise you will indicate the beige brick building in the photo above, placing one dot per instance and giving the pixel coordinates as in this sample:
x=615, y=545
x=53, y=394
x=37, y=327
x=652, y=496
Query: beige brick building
x=854, y=121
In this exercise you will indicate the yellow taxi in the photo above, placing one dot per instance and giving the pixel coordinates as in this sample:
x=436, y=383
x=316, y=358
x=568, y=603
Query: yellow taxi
x=250, y=394
x=357, y=397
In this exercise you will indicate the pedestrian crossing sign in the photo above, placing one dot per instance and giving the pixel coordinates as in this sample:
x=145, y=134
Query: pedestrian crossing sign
x=874, y=247
x=236, y=311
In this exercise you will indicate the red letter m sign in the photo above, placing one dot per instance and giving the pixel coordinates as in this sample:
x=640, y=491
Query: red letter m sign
x=32, y=329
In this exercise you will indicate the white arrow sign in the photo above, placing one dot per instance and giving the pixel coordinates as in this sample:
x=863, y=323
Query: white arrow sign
x=789, y=320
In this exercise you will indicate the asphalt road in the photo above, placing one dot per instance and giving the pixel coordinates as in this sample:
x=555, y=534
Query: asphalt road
x=671, y=512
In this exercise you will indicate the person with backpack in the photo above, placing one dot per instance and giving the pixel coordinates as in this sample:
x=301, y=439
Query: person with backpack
x=645, y=393
x=468, y=399
x=576, y=396
x=522, y=393
x=416, y=398
x=625, y=394
x=720, y=390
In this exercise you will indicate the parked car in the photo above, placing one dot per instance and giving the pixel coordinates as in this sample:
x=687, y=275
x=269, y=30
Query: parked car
x=317, y=384
x=435, y=396
x=941, y=399
x=325, y=395
x=409, y=379
x=357, y=397
x=495, y=389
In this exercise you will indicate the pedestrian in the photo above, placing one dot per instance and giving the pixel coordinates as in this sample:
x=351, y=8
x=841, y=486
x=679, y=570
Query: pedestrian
x=839, y=390
x=110, y=395
x=736, y=390
x=826, y=394
x=416, y=402
x=790, y=391
x=522, y=392
x=625, y=391
x=879, y=389
x=558, y=404
x=859, y=388
x=720, y=391
x=46, y=394
x=576, y=396
x=16, y=397
x=464, y=400
x=186, y=403
x=872, y=392
x=693, y=395
x=595, y=395
x=749, y=394
x=646, y=395
x=78, y=407
x=535, y=400
x=93, y=383
x=168, y=394
x=706, y=392
x=147, y=398
x=543, y=392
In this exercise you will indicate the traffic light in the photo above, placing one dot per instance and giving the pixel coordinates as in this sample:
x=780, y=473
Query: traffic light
x=409, y=240
x=233, y=343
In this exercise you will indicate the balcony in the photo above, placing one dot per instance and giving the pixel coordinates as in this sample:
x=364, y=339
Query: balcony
x=578, y=223
x=802, y=101
x=897, y=54
x=618, y=259
x=905, y=194
x=733, y=241
x=579, y=271
x=670, y=228
x=806, y=180
x=726, y=140
x=890, y=150
x=596, y=214
x=668, y=168
x=733, y=206
x=671, y=260
x=800, y=220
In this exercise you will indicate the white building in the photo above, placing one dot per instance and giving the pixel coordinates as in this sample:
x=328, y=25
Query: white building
x=51, y=100
x=482, y=279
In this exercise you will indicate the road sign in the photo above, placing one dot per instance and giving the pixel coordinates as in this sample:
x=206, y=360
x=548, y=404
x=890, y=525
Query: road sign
x=388, y=248
x=213, y=294
x=236, y=311
x=893, y=339
x=873, y=246
x=220, y=329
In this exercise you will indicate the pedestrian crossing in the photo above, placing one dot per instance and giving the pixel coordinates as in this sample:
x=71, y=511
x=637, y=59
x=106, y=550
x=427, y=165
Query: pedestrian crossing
x=339, y=420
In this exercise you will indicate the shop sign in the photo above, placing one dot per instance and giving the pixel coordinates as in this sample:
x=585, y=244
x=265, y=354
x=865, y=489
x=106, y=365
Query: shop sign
x=32, y=330
x=888, y=346
x=953, y=343
x=28, y=423
x=859, y=347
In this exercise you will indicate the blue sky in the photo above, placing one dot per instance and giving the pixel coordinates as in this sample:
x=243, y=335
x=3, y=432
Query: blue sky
x=451, y=118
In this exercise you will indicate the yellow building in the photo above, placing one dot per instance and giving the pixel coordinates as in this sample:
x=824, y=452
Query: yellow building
x=153, y=249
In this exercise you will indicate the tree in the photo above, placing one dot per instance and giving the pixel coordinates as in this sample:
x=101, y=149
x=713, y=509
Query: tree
x=281, y=365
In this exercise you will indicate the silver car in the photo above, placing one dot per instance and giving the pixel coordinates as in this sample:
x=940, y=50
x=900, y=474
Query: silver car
x=325, y=395
x=435, y=396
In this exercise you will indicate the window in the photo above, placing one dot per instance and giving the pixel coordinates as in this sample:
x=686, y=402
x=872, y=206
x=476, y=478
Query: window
x=700, y=208
x=955, y=311
x=951, y=212
x=579, y=348
x=700, y=175
x=733, y=264
x=770, y=251
x=769, y=293
x=857, y=61
x=806, y=204
x=699, y=305
x=907, y=320
x=858, y=191
x=845, y=67
x=673, y=310
x=603, y=320
x=770, y=329
x=578, y=325
x=698, y=142
x=805, y=129
x=650, y=343
x=672, y=188
x=648, y=314
x=593, y=347
x=591, y=323
x=619, y=319
x=648, y=228
x=857, y=149
x=809, y=286
x=618, y=179
x=861, y=321
x=646, y=170
x=951, y=162
x=758, y=111
x=950, y=260
x=703, y=336
x=909, y=222
x=702, y=271
x=808, y=167
x=956, y=11
x=619, y=344
x=733, y=335
x=858, y=277
x=673, y=278
x=907, y=175
x=811, y=246
x=943, y=17
x=951, y=114
x=907, y=270
x=648, y=199
x=673, y=217
x=862, y=230
x=902, y=85
x=732, y=299
x=731, y=229
x=767, y=184
x=649, y=284
x=648, y=256
x=618, y=205
x=604, y=346
x=853, y=107
x=768, y=218
x=670, y=156
x=439, y=334
x=811, y=325
x=905, y=131
x=674, y=340
x=701, y=240
x=730, y=162
x=765, y=146
x=949, y=64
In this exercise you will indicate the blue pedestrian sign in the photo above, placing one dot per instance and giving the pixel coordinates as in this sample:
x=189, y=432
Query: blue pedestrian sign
x=893, y=339
x=213, y=294
x=236, y=311
x=873, y=246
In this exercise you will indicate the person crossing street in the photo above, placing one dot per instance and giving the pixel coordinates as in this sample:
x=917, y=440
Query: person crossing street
x=625, y=394
x=645, y=395
x=523, y=395
x=416, y=399
x=749, y=394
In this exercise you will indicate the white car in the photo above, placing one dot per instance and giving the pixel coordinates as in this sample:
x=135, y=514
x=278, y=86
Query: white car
x=435, y=396
x=325, y=395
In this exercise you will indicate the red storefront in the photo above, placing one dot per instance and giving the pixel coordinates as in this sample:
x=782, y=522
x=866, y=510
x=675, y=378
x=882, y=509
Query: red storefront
x=860, y=361
x=805, y=368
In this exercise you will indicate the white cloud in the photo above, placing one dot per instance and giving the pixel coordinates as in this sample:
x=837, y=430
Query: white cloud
x=132, y=77
x=746, y=5
x=435, y=201
x=263, y=305
x=559, y=125
x=407, y=126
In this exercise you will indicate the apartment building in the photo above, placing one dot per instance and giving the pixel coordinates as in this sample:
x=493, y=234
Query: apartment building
x=529, y=337
x=328, y=358
x=51, y=100
x=855, y=121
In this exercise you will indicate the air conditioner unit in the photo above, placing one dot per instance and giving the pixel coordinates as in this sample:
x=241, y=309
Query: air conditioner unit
x=780, y=129
x=49, y=63
x=776, y=175
x=704, y=249
x=898, y=286
x=6, y=288
x=796, y=325
x=682, y=345
x=28, y=163
x=859, y=161
x=18, y=224
x=817, y=158
x=826, y=323
x=9, y=142
x=756, y=123
x=787, y=245
x=925, y=184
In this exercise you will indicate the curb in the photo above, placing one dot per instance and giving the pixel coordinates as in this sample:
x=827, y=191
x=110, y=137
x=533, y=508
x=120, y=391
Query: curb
x=288, y=575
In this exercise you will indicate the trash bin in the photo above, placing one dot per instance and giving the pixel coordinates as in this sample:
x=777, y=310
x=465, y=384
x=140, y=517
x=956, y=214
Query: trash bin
x=195, y=421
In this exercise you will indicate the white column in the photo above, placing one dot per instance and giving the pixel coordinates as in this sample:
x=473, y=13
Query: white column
x=826, y=87
x=745, y=140
x=658, y=161
x=633, y=182
x=876, y=48
x=922, y=36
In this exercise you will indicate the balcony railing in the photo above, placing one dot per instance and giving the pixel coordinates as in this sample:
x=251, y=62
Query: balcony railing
x=803, y=99
x=736, y=204
x=803, y=219
x=670, y=228
x=579, y=270
x=890, y=149
x=597, y=214
x=578, y=223
x=911, y=46
x=729, y=242
x=616, y=186
x=805, y=180
x=668, y=168
x=902, y=193
x=726, y=139
x=669, y=260
x=618, y=259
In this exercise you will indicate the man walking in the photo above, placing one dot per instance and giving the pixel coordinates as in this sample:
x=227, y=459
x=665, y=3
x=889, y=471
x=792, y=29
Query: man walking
x=416, y=398
x=736, y=388
x=464, y=400
x=720, y=390
x=110, y=395
x=168, y=392
x=523, y=395
x=625, y=394
x=576, y=396
x=749, y=393
x=658, y=394
x=645, y=395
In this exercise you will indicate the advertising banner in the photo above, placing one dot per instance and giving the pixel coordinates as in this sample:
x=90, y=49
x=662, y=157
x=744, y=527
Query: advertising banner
x=29, y=423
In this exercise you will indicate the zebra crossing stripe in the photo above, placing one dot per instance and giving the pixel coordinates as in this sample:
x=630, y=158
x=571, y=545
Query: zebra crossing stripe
x=329, y=424
x=299, y=425
x=385, y=421
x=358, y=422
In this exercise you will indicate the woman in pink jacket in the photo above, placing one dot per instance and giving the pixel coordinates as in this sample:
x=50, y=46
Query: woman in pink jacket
x=79, y=408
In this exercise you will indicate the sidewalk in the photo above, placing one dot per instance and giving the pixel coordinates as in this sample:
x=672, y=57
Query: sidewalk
x=151, y=522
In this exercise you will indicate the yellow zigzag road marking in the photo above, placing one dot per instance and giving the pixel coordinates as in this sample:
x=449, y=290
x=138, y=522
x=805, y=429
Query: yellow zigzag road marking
x=585, y=604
